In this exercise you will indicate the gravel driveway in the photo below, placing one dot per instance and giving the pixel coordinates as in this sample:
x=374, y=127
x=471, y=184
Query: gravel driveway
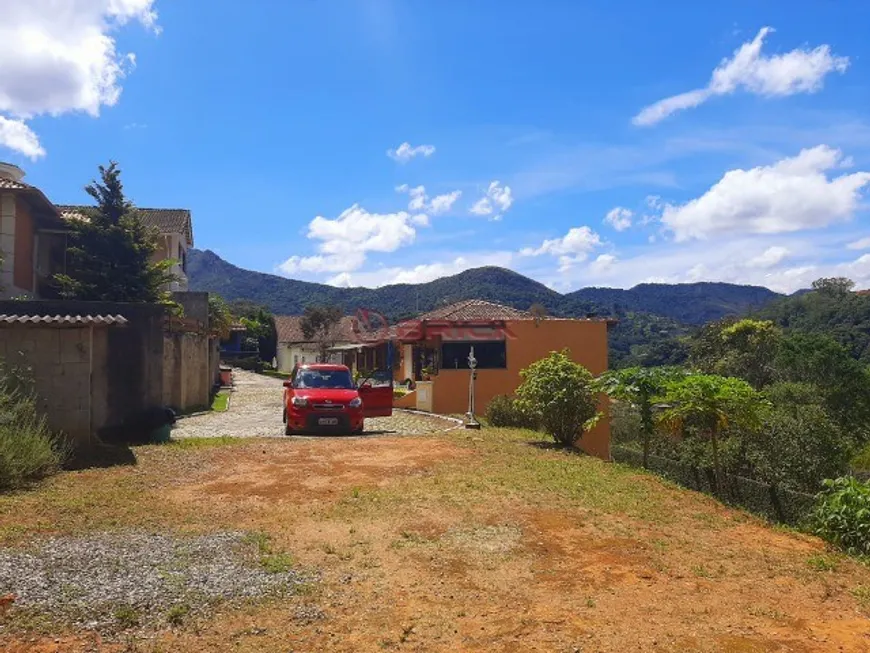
x=129, y=579
x=255, y=411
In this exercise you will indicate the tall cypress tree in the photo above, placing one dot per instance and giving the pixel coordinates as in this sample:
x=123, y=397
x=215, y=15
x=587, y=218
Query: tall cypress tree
x=110, y=251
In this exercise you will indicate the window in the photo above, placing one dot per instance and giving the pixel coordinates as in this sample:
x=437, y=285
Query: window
x=323, y=379
x=490, y=355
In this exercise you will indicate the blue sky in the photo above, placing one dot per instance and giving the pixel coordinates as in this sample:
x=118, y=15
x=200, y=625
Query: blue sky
x=720, y=150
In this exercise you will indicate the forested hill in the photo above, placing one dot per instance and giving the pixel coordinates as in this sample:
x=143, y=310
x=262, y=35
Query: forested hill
x=694, y=303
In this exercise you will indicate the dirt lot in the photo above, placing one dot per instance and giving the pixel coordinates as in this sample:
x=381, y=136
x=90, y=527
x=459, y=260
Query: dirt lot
x=451, y=542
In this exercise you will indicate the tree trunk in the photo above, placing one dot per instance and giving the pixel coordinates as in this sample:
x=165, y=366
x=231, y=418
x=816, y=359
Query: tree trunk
x=646, y=429
x=716, y=466
x=646, y=443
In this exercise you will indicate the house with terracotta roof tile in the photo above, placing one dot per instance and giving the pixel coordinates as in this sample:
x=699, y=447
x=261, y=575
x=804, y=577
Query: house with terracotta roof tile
x=435, y=347
x=33, y=237
x=175, y=230
x=295, y=349
x=432, y=352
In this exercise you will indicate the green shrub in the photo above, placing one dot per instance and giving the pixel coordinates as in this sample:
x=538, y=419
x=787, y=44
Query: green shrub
x=625, y=424
x=503, y=410
x=28, y=450
x=800, y=444
x=842, y=514
x=251, y=364
x=559, y=394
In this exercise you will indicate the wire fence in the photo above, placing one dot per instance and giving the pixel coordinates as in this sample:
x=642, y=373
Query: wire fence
x=775, y=503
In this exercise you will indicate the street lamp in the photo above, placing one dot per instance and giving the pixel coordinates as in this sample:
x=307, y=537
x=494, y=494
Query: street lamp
x=472, y=422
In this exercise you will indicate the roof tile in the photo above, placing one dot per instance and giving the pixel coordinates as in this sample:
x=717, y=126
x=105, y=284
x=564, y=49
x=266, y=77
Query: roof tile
x=63, y=320
x=289, y=329
x=475, y=309
x=166, y=221
x=10, y=184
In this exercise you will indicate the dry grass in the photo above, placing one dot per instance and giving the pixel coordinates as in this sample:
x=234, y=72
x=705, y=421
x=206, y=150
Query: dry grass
x=479, y=542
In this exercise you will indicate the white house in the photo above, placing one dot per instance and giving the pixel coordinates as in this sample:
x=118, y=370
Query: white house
x=294, y=349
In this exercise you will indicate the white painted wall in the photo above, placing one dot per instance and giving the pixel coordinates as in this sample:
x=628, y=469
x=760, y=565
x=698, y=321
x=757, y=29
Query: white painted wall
x=289, y=354
x=408, y=361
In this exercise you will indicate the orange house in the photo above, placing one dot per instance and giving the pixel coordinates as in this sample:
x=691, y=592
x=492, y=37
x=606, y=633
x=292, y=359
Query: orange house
x=435, y=347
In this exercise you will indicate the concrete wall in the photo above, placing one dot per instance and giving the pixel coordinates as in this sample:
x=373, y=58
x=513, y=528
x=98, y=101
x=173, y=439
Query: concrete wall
x=59, y=363
x=195, y=305
x=127, y=361
x=87, y=385
x=587, y=341
x=187, y=378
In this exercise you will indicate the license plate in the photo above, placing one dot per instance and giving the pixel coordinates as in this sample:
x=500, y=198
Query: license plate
x=328, y=421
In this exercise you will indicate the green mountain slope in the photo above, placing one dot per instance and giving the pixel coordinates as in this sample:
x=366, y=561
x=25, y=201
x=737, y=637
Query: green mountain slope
x=682, y=303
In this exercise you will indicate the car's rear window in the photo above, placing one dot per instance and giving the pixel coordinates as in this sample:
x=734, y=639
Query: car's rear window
x=323, y=379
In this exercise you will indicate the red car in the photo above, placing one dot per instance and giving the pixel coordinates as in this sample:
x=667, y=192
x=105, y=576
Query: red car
x=323, y=397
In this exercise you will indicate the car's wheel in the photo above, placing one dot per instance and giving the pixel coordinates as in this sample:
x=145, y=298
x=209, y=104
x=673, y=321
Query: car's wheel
x=288, y=430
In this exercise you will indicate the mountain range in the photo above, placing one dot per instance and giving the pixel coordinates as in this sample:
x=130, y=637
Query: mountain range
x=689, y=303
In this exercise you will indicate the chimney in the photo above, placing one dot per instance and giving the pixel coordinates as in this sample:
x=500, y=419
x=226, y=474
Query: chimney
x=9, y=171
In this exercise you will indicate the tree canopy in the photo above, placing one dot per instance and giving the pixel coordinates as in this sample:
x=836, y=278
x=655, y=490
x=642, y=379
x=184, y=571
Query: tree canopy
x=111, y=252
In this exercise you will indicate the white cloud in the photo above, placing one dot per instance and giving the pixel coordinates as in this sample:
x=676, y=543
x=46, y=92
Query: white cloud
x=443, y=203
x=731, y=260
x=420, y=201
x=790, y=195
x=60, y=57
x=345, y=240
x=603, y=264
x=17, y=136
x=578, y=240
x=405, y=152
x=571, y=249
x=421, y=273
x=768, y=258
x=863, y=243
x=797, y=71
x=418, y=198
x=498, y=197
x=619, y=218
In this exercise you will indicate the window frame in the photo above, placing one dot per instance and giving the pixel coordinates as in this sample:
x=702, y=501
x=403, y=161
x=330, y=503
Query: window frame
x=468, y=344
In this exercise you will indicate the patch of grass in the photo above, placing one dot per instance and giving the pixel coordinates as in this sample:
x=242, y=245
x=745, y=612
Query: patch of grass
x=176, y=615
x=221, y=401
x=275, y=374
x=505, y=465
x=272, y=561
x=126, y=616
x=822, y=563
x=206, y=443
x=277, y=563
x=701, y=571
x=862, y=594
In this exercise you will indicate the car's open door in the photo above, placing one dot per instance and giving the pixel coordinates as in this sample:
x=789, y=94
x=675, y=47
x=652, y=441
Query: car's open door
x=376, y=390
